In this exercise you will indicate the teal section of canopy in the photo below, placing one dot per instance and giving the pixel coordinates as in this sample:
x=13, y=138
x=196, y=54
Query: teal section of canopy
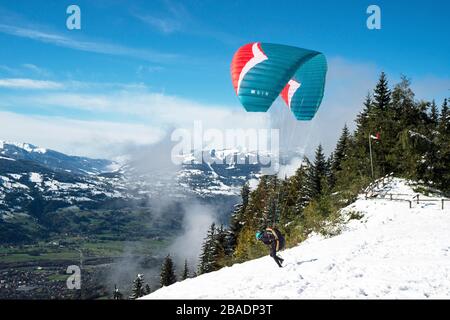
x=265, y=81
x=307, y=99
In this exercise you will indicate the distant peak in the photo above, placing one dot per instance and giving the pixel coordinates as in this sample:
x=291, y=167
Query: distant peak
x=23, y=145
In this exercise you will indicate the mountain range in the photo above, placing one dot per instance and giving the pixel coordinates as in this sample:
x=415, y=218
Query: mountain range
x=38, y=183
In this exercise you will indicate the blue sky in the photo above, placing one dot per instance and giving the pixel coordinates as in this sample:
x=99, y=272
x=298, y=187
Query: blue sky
x=131, y=57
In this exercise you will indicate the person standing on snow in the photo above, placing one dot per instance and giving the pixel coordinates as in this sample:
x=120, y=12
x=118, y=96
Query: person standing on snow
x=273, y=238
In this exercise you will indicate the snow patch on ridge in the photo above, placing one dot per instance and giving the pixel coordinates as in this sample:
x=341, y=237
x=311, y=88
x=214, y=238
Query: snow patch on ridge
x=35, y=177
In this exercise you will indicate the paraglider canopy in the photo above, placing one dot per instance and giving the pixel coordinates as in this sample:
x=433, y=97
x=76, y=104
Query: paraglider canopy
x=260, y=72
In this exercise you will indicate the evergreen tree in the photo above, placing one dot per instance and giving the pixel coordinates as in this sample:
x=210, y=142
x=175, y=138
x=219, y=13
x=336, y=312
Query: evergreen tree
x=213, y=253
x=270, y=210
x=237, y=220
x=219, y=251
x=245, y=195
x=341, y=151
x=138, y=287
x=444, y=118
x=382, y=94
x=255, y=213
x=363, y=117
x=318, y=173
x=365, y=125
x=300, y=182
x=167, y=272
x=400, y=112
x=185, y=273
x=117, y=295
x=147, y=289
x=285, y=202
x=206, y=263
x=385, y=122
x=434, y=115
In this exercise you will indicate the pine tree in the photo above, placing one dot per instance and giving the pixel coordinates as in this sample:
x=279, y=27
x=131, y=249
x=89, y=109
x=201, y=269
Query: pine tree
x=318, y=173
x=363, y=117
x=285, y=202
x=138, y=287
x=117, y=295
x=208, y=251
x=382, y=94
x=444, y=118
x=147, y=289
x=185, y=274
x=237, y=221
x=300, y=181
x=341, y=151
x=388, y=108
x=167, y=272
x=270, y=213
x=366, y=124
x=255, y=213
x=219, y=252
x=213, y=255
x=245, y=195
x=434, y=115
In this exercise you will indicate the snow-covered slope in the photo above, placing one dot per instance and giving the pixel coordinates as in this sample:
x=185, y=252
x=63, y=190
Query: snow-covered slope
x=391, y=252
x=53, y=160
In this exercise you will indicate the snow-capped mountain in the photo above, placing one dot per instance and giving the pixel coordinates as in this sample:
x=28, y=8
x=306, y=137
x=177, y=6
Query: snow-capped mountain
x=24, y=182
x=390, y=251
x=52, y=159
x=211, y=173
x=31, y=176
x=34, y=179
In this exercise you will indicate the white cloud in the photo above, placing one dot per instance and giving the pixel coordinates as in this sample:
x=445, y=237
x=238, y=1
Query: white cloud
x=90, y=46
x=89, y=138
x=9, y=70
x=289, y=169
x=173, y=20
x=68, y=86
x=24, y=70
x=89, y=85
x=155, y=108
x=165, y=25
x=177, y=19
x=35, y=69
x=20, y=83
x=197, y=219
x=157, y=114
